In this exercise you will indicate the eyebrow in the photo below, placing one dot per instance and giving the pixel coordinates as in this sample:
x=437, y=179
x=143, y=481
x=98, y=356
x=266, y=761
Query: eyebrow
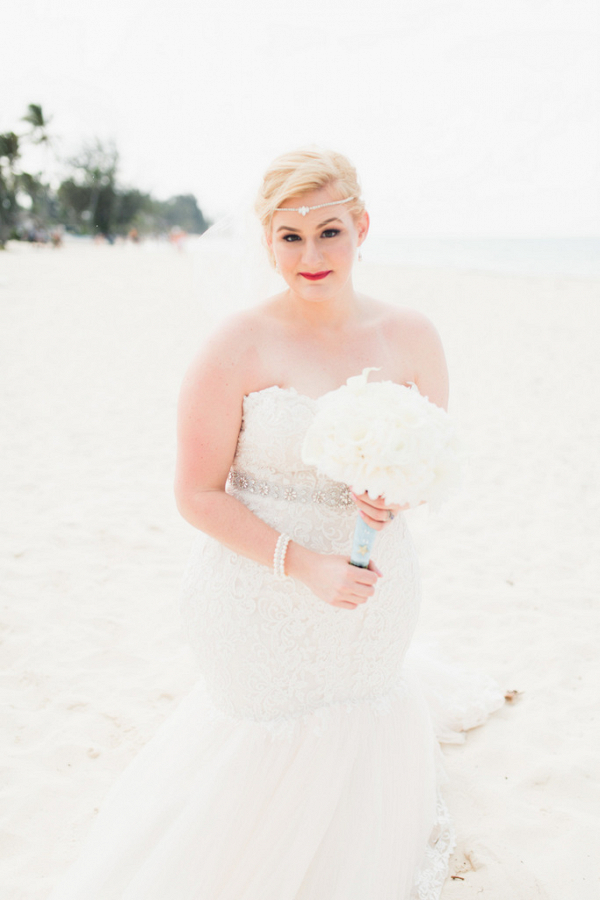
x=326, y=222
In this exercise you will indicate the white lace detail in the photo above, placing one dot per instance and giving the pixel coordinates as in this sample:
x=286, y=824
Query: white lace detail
x=270, y=649
x=434, y=868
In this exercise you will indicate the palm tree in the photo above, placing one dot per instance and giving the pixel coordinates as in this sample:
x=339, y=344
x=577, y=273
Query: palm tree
x=9, y=153
x=39, y=124
x=9, y=148
x=97, y=165
x=14, y=181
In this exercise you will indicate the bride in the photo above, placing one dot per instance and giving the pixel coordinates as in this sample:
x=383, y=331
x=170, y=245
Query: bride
x=304, y=766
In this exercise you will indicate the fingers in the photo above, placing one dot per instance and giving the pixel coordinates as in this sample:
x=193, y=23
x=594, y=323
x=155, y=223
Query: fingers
x=350, y=586
x=364, y=502
x=349, y=602
x=360, y=592
x=351, y=598
x=360, y=575
x=359, y=584
x=376, y=513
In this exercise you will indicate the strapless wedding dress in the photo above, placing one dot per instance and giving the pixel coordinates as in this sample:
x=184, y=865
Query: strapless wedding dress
x=305, y=764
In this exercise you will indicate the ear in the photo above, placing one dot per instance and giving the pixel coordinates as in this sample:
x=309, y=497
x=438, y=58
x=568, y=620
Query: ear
x=268, y=239
x=362, y=227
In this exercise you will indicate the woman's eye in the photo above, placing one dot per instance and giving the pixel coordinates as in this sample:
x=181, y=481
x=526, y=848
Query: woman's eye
x=328, y=233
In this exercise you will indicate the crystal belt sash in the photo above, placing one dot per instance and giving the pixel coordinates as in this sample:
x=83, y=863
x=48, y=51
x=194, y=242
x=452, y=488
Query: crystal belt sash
x=334, y=495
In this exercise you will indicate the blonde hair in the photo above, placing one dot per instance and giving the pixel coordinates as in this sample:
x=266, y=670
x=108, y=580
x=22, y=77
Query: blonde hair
x=301, y=171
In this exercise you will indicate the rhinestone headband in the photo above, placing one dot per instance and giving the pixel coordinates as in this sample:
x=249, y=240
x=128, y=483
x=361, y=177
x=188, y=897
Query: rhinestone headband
x=303, y=210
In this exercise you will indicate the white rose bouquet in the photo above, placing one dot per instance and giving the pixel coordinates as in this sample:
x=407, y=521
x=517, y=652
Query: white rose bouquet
x=386, y=439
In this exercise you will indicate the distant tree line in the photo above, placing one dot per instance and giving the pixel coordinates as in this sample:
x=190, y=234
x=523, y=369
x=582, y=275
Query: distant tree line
x=89, y=200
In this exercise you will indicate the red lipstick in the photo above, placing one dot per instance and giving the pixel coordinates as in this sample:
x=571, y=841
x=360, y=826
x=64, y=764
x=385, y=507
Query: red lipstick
x=315, y=276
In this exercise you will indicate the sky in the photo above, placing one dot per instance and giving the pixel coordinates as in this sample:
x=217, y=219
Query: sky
x=465, y=118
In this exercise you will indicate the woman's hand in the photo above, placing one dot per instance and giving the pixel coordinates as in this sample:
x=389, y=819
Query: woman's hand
x=332, y=578
x=376, y=513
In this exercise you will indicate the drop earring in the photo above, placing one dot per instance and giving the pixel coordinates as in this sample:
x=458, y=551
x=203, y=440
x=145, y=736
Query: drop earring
x=359, y=255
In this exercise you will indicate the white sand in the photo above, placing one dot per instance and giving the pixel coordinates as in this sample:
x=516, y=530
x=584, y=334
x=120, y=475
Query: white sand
x=93, y=344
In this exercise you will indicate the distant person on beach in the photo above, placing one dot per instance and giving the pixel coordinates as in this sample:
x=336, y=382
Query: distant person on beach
x=37, y=236
x=177, y=237
x=304, y=765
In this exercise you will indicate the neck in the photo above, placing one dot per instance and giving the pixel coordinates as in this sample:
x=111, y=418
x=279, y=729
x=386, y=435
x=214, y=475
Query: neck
x=334, y=312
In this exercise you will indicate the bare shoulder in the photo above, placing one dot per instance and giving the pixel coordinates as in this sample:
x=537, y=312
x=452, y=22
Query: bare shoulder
x=406, y=323
x=411, y=332
x=210, y=406
x=231, y=354
x=416, y=340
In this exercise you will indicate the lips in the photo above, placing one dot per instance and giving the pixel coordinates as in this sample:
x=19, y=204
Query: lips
x=315, y=276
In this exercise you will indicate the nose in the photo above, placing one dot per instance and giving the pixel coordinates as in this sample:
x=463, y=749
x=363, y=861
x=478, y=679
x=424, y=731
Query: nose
x=312, y=253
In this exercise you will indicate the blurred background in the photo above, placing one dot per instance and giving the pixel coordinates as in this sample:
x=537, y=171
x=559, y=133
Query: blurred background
x=475, y=126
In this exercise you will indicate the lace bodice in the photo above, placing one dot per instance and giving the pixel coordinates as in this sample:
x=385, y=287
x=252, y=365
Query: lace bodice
x=271, y=650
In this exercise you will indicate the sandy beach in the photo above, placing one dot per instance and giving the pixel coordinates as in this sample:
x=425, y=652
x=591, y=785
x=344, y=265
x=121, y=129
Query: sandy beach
x=94, y=341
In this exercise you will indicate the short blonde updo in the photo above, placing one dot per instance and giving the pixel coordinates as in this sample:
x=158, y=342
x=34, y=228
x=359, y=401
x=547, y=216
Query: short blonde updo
x=302, y=171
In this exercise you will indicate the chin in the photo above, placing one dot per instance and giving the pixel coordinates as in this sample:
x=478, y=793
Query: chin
x=313, y=289
x=317, y=294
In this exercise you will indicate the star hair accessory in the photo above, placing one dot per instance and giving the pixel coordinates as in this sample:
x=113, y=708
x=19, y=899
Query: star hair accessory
x=304, y=210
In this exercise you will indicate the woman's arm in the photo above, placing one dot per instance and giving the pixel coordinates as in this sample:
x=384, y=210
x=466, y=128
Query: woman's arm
x=428, y=360
x=209, y=418
x=208, y=425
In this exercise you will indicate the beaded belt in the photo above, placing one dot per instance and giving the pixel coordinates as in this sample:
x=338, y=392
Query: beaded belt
x=335, y=496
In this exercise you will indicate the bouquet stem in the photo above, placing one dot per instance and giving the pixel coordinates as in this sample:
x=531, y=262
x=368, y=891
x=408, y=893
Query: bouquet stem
x=362, y=544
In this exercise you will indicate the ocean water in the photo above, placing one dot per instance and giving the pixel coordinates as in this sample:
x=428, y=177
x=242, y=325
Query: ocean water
x=578, y=257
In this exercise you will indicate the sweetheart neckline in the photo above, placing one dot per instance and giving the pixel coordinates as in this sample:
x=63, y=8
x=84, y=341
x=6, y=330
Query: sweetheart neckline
x=297, y=393
x=287, y=390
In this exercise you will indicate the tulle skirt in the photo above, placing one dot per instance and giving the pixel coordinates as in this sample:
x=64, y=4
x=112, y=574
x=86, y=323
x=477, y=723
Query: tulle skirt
x=339, y=804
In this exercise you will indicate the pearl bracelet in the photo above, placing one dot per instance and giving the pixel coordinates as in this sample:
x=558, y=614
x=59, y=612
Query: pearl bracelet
x=279, y=556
